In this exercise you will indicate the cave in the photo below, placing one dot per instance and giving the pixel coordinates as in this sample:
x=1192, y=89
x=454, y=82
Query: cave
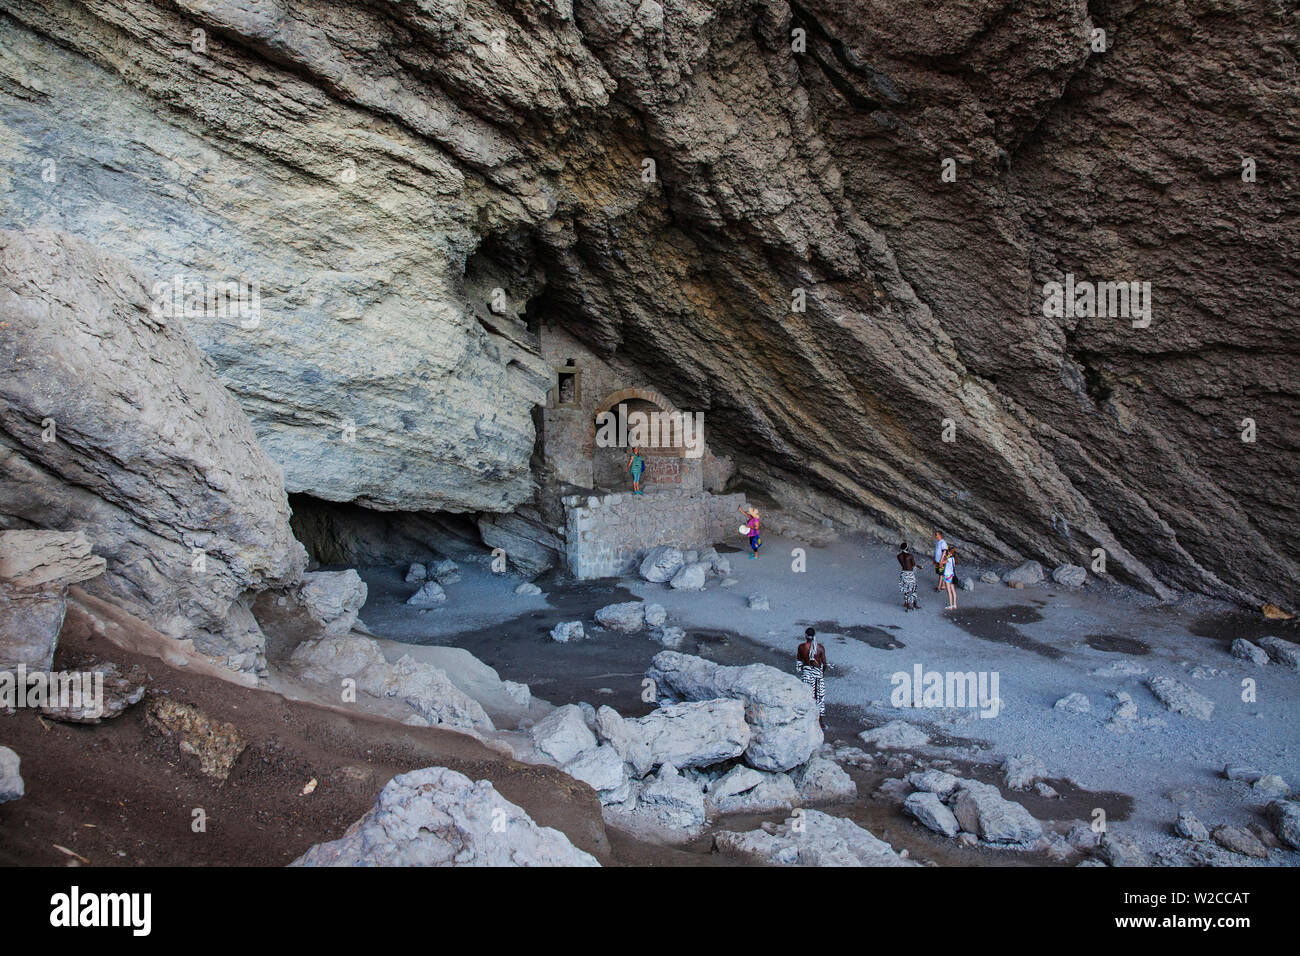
x=958, y=340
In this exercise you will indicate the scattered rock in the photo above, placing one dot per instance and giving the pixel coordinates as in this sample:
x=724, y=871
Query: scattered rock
x=446, y=572
x=437, y=817
x=691, y=577
x=333, y=599
x=563, y=734
x=777, y=706
x=968, y=584
x=982, y=810
x=1031, y=572
x=628, y=617
x=988, y=577
x=11, y=781
x=416, y=574
x=672, y=800
x=1246, y=651
x=1070, y=576
x=430, y=594
x=1021, y=772
x=36, y=569
x=938, y=782
x=670, y=637
x=691, y=734
x=1238, y=772
x=736, y=780
x=661, y=563
x=216, y=744
x=1190, y=827
x=1283, y=652
x=809, y=838
x=895, y=735
x=1083, y=837
x=1284, y=817
x=655, y=615
x=930, y=811
x=568, y=631
x=757, y=602
x=729, y=583
x=1119, y=850
x=1240, y=841
x=1075, y=703
x=1271, y=785
x=772, y=791
x=823, y=781
x=528, y=589
x=1180, y=698
x=1044, y=790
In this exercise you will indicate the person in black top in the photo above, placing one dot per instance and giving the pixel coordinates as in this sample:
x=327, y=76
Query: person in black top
x=907, y=578
x=810, y=666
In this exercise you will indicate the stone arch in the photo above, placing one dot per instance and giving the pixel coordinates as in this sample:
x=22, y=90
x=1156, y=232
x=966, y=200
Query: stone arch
x=623, y=394
x=608, y=463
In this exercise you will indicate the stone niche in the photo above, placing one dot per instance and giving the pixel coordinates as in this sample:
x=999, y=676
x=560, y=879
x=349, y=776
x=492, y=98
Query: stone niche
x=577, y=452
x=608, y=535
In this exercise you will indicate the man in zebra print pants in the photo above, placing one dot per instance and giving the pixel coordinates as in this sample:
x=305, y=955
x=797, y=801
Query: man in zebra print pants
x=810, y=666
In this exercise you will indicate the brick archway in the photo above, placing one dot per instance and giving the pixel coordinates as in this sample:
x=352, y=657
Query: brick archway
x=623, y=394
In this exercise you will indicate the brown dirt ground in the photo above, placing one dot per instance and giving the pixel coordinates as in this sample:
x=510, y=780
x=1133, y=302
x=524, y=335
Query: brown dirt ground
x=120, y=793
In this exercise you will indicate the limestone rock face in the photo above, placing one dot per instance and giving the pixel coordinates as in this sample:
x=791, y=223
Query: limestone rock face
x=665, y=180
x=114, y=424
x=36, y=568
x=438, y=817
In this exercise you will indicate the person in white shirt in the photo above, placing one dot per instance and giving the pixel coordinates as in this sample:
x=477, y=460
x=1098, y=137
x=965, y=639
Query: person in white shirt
x=949, y=573
x=940, y=546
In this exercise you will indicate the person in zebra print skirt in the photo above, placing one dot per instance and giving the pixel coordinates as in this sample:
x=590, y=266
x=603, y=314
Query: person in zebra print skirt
x=810, y=666
x=907, y=578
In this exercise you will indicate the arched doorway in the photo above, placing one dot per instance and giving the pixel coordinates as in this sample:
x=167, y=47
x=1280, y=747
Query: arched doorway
x=636, y=416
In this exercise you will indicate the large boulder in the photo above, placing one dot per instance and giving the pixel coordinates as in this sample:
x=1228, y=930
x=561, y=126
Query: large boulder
x=333, y=599
x=1070, y=575
x=982, y=810
x=691, y=577
x=563, y=734
x=36, y=568
x=1281, y=651
x=602, y=769
x=809, y=838
x=930, y=811
x=778, y=707
x=661, y=563
x=693, y=734
x=1180, y=698
x=769, y=792
x=426, y=689
x=115, y=424
x=437, y=817
x=823, y=781
x=1284, y=817
x=672, y=800
x=1031, y=572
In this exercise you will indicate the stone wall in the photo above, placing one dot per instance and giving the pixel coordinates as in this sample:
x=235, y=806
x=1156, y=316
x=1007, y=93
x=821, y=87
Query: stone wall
x=609, y=535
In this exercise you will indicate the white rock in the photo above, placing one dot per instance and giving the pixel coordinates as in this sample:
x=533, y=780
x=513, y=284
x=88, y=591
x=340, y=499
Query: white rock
x=1180, y=698
x=333, y=598
x=1271, y=785
x=691, y=734
x=988, y=577
x=11, y=781
x=603, y=770
x=982, y=810
x=895, y=735
x=690, y=578
x=822, y=781
x=672, y=800
x=778, y=707
x=1191, y=828
x=757, y=602
x=810, y=838
x=1022, y=771
x=933, y=781
x=528, y=589
x=1075, y=703
x=437, y=817
x=670, y=637
x=930, y=811
x=416, y=574
x=430, y=594
x=774, y=791
x=1246, y=651
x=1283, y=652
x=563, y=734
x=1031, y=572
x=736, y=780
x=628, y=617
x=1284, y=817
x=1070, y=576
x=661, y=563
x=568, y=631
x=655, y=615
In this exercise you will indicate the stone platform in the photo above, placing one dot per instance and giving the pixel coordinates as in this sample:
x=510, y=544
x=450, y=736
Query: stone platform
x=608, y=535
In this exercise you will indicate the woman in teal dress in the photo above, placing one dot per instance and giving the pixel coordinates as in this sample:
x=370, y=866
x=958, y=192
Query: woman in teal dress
x=636, y=465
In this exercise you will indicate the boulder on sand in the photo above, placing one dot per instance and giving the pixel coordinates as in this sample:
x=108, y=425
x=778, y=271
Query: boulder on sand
x=895, y=735
x=692, y=734
x=437, y=817
x=823, y=781
x=628, y=617
x=1031, y=572
x=982, y=810
x=930, y=811
x=690, y=578
x=1070, y=576
x=11, y=781
x=778, y=707
x=1180, y=698
x=1283, y=652
x=602, y=769
x=1242, y=649
x=1284, y=817
x=567, y=631
x=430, y=594
x=333, y=598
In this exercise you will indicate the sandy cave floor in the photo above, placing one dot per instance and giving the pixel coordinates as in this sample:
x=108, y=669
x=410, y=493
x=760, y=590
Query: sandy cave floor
x=1044, y=642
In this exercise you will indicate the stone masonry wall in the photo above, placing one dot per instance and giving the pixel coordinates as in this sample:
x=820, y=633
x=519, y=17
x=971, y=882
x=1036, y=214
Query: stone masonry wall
x=609, y=535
